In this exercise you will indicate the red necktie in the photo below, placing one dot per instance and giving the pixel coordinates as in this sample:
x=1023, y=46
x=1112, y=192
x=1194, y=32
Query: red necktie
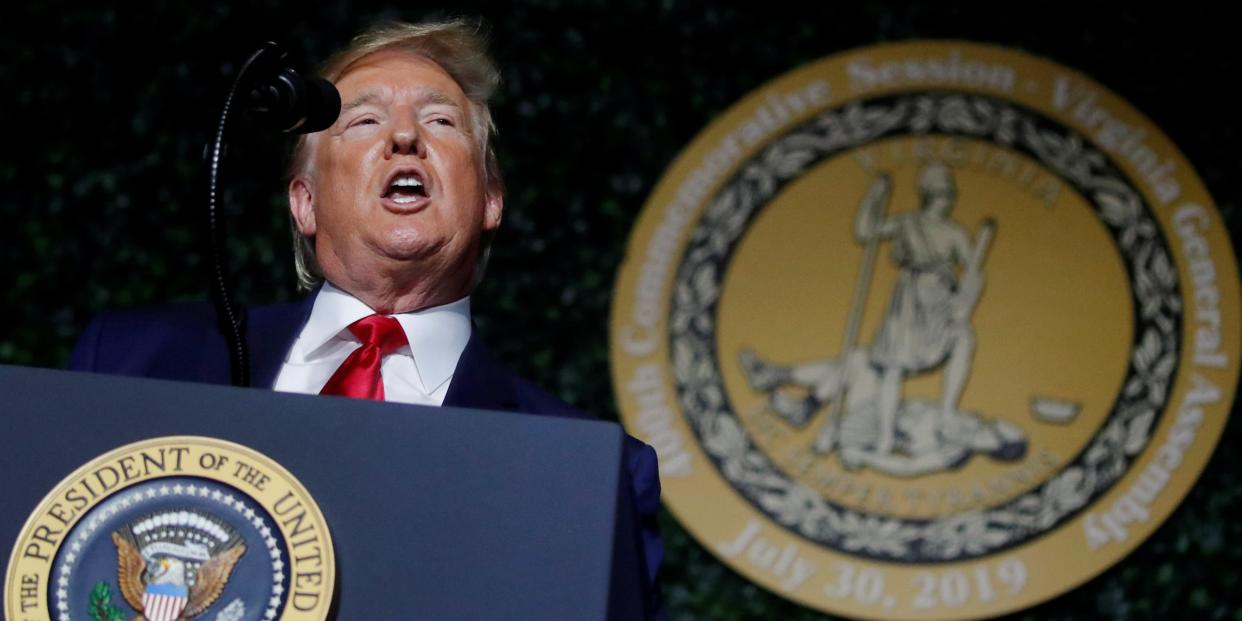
x=359, y=376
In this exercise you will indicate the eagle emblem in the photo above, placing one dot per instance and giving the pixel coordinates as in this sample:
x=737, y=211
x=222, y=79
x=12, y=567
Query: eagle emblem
x=174, y=565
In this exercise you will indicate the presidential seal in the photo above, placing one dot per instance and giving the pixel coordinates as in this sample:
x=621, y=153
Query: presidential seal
x=930, y=330
x=170, y=529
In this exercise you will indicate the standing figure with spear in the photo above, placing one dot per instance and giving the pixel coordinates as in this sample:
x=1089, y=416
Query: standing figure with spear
x=927, y=323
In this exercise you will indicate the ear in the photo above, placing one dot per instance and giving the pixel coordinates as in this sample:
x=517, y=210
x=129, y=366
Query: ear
x=493, y=209
x=302, y=205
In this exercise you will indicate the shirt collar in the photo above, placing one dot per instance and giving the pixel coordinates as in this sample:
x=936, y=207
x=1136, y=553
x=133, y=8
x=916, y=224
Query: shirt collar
x=437, y=335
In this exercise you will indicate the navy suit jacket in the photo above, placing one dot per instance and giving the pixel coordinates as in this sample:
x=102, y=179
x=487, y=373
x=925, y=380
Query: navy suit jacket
x=181, y=342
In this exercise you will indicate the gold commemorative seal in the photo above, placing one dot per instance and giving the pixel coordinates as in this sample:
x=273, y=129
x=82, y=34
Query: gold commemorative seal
x=929, y=330
x=173, y=528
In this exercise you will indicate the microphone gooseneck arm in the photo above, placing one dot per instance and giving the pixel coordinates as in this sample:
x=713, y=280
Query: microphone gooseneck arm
x=230, y=318
x=280, y=98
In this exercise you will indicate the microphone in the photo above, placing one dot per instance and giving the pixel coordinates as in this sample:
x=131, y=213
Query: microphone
x=283, y=99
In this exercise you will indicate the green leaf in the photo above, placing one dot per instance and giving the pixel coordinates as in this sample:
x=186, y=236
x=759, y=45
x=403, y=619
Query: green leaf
x=101, y=596
x=101, y=608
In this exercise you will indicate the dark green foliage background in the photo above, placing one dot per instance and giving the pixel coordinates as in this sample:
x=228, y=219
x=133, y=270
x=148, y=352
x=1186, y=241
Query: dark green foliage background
x=105, y=111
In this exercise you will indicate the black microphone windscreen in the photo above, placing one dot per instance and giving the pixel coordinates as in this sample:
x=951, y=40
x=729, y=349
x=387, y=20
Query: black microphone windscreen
x=323, y=105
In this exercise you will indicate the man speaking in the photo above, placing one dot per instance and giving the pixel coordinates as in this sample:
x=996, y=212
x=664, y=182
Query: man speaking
x=393, y=208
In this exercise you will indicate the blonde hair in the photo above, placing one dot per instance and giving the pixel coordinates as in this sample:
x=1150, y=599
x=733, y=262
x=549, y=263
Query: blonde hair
x=459, y=47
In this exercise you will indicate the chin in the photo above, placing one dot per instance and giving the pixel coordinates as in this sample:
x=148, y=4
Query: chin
x=407, y=244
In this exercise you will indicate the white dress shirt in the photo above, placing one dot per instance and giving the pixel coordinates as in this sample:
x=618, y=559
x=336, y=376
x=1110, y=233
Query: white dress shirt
x=419, y=373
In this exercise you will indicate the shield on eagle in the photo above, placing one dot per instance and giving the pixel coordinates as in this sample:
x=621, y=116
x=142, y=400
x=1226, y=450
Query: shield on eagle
x=164, y=602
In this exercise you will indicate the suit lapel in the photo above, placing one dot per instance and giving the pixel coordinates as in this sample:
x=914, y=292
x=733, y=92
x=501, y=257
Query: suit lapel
x=480, y=381
x=271, y=333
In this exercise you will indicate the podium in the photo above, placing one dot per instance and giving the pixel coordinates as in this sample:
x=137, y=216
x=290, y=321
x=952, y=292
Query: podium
x=434, y=513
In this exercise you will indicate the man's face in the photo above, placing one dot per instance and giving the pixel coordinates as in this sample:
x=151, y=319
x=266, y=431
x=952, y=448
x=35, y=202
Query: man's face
x=938, y=202
x=395, y=187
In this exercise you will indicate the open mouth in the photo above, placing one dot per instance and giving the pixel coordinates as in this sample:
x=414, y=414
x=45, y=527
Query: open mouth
x=405, y=188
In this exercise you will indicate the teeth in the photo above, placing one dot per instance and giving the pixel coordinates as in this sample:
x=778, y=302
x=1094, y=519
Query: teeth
x=406, y=189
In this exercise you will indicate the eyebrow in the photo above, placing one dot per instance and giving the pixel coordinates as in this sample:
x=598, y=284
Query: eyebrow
x=363, y=99
x=431, y=95
x=426, y=95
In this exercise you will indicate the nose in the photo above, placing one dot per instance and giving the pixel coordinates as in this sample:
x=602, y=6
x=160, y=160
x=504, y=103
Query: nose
x=406, y=140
